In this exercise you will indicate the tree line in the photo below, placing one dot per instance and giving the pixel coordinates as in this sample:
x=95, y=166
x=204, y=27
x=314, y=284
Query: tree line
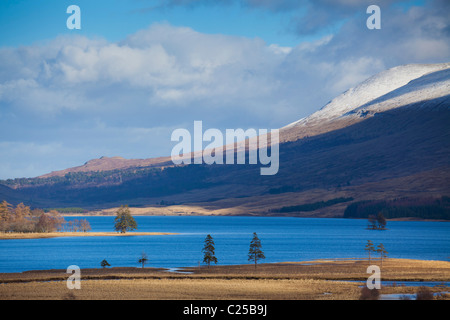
x=75, y=178
x=22, y=218
x=67, y=210
x=426, y=208
x=311, y=206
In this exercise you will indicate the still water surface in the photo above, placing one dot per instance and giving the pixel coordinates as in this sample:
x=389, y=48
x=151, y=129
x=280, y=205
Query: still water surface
x=283, y=239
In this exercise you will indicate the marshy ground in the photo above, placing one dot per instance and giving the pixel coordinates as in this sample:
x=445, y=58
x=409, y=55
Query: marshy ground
x=315, y=280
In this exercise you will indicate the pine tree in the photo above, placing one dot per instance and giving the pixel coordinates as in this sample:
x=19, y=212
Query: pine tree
x=372, y=222
x=381, y=220
x=124, y=221
x=382, y=251
x=255, y=253
x=369, y=247
x=209, y=251
x=105, y=264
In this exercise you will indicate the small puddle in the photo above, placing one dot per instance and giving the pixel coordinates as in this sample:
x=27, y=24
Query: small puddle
x=405, y=296
x=178, y=270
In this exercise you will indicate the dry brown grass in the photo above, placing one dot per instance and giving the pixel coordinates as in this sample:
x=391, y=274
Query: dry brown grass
x=39, y=235
x=185, y=288
x=284, y=281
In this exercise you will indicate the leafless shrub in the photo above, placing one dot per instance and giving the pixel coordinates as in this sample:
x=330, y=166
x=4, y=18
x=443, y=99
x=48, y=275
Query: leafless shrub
x=424, y=293
x=368, y=294
x=69, y=296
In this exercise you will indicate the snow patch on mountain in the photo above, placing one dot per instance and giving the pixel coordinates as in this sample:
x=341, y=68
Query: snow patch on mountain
x=389, y=89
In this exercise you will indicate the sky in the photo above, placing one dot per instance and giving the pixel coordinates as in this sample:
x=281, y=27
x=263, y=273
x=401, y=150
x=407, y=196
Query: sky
x=139, y=69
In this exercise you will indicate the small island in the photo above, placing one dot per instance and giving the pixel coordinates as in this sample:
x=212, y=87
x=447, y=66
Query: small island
x=377, y=222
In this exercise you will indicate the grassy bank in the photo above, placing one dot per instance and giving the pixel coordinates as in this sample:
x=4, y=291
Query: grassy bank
x=39, y=235
x=314, y=280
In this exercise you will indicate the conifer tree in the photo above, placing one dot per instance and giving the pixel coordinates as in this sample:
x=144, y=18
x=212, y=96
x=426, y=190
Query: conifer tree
x=382, y=251
x=255, y=253
x=369, y=247
x=105, y=263
x=209, y=250
x=381, y=220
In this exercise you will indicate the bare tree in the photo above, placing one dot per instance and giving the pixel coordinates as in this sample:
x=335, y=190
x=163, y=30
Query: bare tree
x=143, y=259
x=369, y=294
x=84, y=225
x=424, y=293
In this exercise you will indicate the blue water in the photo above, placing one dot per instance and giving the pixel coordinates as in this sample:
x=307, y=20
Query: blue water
x=283, y=239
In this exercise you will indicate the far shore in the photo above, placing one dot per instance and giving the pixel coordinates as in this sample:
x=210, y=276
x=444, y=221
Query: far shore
x=39, y=235
x=146, y=214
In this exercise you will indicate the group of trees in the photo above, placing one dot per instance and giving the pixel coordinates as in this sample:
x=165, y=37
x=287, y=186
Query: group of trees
x=76, y=178
x=255, y=252
x=370, y=247
x=76, y=225
x=24, y=219
x=377, y=222
x=142, y=260
x=426, y=208
x=311, y=206
x=69, y=210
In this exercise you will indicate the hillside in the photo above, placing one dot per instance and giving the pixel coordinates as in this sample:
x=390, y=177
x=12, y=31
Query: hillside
x=384, y=139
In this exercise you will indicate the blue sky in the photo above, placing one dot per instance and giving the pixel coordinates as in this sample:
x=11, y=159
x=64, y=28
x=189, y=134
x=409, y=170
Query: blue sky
x=139, y=69
x=29, y=21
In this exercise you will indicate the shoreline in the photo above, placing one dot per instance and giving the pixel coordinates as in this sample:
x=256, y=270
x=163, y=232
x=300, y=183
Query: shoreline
x=414, y=219
x=223, y=269
x=36, y=235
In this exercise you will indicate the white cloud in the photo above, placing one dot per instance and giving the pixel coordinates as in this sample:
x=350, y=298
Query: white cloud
x=160, y=67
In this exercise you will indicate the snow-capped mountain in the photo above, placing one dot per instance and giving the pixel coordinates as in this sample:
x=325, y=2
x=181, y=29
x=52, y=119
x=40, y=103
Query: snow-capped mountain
x=390, y=89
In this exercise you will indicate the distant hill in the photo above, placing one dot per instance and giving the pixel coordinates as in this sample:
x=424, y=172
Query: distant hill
x=111, y=163
x=387, y=138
